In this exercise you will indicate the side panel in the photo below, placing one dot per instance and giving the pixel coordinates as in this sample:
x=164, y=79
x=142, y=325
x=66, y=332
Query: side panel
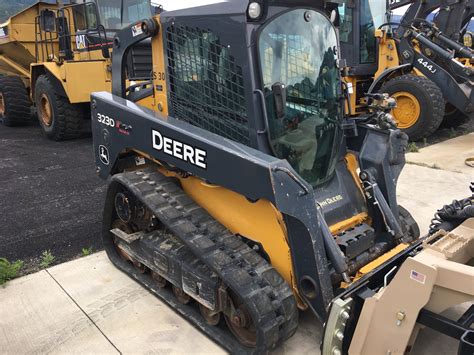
x=82, y=78
x=77, y=79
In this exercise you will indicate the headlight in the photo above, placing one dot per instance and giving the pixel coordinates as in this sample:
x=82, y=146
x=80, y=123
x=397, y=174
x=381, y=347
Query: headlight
x=255, y=10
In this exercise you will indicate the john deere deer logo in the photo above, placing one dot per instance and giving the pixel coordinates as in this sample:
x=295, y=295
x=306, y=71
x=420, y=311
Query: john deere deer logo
x=104, y=155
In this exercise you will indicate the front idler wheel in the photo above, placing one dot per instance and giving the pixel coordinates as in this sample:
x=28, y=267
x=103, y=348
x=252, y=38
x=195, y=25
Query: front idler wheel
x=123, y=207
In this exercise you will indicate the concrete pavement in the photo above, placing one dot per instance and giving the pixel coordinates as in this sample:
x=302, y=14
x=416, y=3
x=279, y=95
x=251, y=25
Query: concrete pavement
x=449, y=155
x=88, y=306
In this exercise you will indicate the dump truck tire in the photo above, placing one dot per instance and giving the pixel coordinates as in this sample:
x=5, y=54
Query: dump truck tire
x=453, y=117
x=59, y=119
x=420, y=105
x=15, y=104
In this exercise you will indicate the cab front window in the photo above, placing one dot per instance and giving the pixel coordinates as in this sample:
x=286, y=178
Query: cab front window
x=302, y=59
x=116, y=15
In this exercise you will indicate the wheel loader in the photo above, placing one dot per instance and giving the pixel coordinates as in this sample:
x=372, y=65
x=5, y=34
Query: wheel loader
x=429, y=74
x=52, y=56
x=241, y=195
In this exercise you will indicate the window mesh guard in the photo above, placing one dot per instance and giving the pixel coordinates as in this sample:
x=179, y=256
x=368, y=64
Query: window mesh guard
x=206, y=86
x=288, y=61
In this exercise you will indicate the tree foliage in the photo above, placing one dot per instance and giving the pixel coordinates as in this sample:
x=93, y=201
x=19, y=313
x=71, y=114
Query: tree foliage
x=9, y=7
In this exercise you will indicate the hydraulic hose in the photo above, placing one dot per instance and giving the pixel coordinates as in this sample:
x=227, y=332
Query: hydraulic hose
x=450, y=216
x=447, y=55
x=461, y=51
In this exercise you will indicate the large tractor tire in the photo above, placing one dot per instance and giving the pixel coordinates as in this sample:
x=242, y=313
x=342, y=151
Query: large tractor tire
x=420, y=105
x=15, y=104
x=59, y=119
x=453, y=117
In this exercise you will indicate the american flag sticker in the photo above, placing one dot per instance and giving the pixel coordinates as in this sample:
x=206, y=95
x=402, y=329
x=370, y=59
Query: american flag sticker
x=418, y=276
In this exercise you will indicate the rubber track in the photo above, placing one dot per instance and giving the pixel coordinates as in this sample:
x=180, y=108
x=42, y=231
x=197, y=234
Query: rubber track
x=16, y=99
x=257, y=284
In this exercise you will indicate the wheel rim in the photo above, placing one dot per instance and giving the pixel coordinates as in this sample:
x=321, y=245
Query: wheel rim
x=408, y=109
x=46, y=113
x=2, y=105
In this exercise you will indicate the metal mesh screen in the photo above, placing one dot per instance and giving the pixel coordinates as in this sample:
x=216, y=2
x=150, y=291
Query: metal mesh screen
x=289, y=61
x=206, y=86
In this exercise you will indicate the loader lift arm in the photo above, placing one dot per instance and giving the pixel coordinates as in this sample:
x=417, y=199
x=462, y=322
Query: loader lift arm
x=437, y=48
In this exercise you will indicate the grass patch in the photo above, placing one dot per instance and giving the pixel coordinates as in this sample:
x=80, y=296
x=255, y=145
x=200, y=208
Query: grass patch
x=8, y=270
x=47, y=258
x=412, y=148
x=86, y=251
x=452, y=133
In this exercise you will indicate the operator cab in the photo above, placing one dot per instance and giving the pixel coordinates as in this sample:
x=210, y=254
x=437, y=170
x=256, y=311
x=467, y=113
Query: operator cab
x=116, y=15
x=357, y=25
x=107, y=16
x=288, y=104
x=86, y=26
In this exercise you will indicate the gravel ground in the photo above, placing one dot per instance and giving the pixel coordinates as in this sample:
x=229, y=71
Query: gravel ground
x=51, y=197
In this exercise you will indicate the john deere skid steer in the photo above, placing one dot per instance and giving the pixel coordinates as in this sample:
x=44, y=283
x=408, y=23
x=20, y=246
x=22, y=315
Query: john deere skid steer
x=237, y=192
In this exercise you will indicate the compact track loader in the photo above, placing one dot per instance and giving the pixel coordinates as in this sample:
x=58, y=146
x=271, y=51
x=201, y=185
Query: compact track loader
x=237, y=192
x=54, y=55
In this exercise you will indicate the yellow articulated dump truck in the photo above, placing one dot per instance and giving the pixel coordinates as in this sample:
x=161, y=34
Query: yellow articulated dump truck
x=52, y=56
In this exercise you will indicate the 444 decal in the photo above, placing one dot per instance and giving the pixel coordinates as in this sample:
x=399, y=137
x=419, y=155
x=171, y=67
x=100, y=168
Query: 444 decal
x=427, y=65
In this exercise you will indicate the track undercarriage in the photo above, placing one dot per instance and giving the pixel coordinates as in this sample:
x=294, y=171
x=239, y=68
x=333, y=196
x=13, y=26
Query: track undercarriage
x=159, y=236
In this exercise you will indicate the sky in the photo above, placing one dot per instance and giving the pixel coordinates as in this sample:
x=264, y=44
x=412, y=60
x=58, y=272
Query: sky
x=182, y=4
